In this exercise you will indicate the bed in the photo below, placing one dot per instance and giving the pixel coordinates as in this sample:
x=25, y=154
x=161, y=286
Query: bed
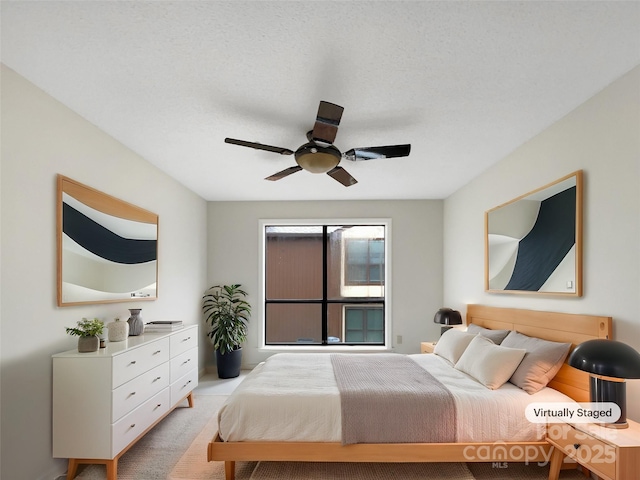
x=291, y=441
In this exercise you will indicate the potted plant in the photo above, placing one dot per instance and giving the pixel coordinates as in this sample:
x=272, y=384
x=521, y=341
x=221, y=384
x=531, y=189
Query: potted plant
x=87, y=331
x=227, y=313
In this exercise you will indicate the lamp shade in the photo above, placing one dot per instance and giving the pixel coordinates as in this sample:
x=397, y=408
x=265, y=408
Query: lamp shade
x=607, y=358
x=448, y=316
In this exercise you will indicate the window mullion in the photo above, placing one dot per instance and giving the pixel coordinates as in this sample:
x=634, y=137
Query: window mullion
x=325, y=286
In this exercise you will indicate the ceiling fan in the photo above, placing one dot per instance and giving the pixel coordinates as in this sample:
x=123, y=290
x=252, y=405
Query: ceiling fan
x=319, y=155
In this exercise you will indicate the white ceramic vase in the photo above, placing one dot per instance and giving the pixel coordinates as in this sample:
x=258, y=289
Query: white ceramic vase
x=118, y=331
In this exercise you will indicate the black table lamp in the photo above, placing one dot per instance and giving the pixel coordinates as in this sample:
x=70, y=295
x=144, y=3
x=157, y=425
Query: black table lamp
x=447, y=317
x=609, y=363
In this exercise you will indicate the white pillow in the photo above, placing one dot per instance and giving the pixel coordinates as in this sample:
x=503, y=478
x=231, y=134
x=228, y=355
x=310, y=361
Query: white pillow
x=492, y=365
x=452, y=344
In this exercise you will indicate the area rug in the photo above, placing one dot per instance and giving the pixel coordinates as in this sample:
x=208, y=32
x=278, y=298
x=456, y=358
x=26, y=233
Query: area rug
x=193, y=464
x=155, y=454
x=361, y=471
x=519, y=471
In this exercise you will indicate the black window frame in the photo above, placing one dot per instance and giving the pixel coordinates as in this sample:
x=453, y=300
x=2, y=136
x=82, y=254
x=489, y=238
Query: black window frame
x=324, y=302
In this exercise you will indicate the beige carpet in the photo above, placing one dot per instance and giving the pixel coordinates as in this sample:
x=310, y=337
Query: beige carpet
x=176, y=449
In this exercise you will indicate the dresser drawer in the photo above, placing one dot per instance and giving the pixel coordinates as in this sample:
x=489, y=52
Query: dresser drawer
x=597, y=455
x=131, y=426
x=136, y=361
x=128, y=396
x=184, y=340
x=181, y=364
x=181, y=387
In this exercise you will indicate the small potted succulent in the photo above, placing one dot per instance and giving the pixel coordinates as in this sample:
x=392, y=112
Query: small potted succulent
x=87, y=332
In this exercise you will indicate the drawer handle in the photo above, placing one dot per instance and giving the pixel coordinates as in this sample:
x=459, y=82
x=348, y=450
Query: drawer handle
x=186, y=384
x=186, y=361
x=156, y=379
x=132, y=425
x=133, y=362
x=156, y=352
x=158, y=405
x=576, y=446
x=132, y=393
x=186, y=339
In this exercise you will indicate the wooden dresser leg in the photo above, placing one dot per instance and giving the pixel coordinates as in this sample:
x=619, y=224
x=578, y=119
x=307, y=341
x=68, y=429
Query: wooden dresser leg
x=72, y=470
x=556, y=462
x=190, y=400
x=229, y=470
x=112, y=469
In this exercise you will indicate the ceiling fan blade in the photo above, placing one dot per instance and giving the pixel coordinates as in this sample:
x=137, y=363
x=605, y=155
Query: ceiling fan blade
x=284, y=173
x=372, y=153
x=341, y=175
x=259, y=146
x=327, y=121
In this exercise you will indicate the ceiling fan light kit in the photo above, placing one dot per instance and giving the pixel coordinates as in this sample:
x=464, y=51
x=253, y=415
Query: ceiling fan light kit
x=315, y=158
x=319, y=155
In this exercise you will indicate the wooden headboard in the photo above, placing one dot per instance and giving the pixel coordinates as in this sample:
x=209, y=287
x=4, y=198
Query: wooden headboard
x=557, y=327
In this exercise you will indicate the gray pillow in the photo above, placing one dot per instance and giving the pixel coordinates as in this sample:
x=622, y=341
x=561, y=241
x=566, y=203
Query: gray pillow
x=541, y=362
x=496, y=336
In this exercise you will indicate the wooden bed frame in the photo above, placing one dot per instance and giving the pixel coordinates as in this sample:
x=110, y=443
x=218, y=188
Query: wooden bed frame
x=559, y=327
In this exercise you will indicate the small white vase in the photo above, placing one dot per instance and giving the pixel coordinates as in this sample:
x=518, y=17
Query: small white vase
x=118, y=331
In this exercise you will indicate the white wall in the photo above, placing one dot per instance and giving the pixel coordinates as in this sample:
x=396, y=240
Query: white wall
x=602, y=138
x=41, y=138
x=416, y=251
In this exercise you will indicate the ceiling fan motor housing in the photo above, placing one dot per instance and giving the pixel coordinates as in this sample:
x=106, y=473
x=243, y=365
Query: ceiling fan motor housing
x=316, y=158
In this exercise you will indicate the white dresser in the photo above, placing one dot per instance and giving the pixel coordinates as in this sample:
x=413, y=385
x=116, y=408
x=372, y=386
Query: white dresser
x=104, y=401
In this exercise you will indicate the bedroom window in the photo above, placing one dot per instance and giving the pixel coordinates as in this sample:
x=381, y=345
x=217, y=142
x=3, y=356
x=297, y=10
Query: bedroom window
x=324, y=284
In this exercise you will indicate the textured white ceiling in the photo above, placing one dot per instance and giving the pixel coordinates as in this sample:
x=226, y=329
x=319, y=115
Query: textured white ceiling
x=464, y=82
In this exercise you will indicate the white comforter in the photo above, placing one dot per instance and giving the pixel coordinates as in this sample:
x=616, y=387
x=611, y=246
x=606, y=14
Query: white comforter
x=294, y=397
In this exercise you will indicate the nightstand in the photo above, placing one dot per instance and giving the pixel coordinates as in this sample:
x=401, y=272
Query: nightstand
x=427, y=347
x=610, y=453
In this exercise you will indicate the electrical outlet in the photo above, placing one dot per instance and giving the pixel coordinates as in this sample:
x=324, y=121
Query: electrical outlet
x=399, y=339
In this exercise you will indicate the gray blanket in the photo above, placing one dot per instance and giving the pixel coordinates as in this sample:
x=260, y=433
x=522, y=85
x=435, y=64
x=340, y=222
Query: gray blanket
x=388, y=398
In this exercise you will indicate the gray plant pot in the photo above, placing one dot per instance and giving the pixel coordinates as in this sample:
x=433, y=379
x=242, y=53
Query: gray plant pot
x=88, y=344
